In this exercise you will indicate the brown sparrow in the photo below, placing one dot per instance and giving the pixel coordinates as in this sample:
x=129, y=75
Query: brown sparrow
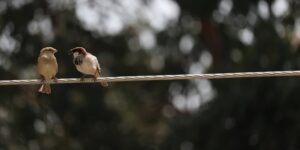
x=47, y=67
x=86, y=63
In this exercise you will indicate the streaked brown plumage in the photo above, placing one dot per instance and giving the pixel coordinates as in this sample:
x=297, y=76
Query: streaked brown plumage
x=86, y=63
x=47, y=67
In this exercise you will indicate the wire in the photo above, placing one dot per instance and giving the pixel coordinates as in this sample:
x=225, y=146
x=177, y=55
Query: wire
x=157, y=77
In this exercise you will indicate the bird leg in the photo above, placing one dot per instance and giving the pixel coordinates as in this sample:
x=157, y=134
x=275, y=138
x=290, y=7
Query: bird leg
x=82, y=77
x=42, y=79
x=54, y=79
x=95, y=78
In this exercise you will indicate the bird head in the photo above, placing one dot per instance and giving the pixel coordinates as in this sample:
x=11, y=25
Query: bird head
x=48, y=49
x=77, y=51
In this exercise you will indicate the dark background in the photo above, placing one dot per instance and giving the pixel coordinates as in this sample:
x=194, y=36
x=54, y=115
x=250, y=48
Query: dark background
x=149, y=37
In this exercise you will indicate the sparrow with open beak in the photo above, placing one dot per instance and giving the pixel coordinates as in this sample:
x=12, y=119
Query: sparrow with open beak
x=86, y=63
x=47, y=68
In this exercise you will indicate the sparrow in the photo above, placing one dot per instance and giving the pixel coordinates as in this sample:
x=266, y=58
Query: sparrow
x=47, y=68
x=86, y=63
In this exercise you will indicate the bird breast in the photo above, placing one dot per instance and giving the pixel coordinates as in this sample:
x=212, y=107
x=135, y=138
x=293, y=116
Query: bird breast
x=47, y=66
x=87, y=65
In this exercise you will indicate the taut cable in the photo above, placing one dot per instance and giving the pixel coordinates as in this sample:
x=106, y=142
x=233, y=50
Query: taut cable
x=158, y=77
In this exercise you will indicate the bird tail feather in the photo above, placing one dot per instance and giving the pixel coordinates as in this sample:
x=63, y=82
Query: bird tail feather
x=45, y=88
x=103, y=83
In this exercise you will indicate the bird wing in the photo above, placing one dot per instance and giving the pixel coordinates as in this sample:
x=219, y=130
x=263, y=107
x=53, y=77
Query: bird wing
x=97, y=65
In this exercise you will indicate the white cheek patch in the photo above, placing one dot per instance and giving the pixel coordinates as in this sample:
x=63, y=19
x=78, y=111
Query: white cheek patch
x=75, y=54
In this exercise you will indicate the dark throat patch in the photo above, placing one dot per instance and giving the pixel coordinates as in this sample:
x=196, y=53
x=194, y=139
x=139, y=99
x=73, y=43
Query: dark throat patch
x=77, y=60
